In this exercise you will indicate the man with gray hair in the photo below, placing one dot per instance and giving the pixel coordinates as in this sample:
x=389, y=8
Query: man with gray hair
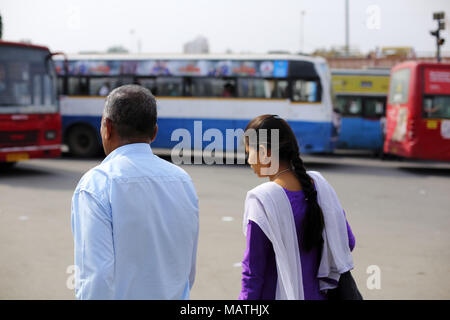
x=134, y=216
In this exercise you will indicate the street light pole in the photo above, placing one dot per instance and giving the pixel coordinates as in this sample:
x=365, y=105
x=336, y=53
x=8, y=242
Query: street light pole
x=439, y=16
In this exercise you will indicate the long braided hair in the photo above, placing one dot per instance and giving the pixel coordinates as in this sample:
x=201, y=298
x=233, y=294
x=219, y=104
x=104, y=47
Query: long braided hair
x=289, y=151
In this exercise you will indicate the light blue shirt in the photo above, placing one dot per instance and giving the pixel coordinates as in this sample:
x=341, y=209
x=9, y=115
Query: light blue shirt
x=135, y=228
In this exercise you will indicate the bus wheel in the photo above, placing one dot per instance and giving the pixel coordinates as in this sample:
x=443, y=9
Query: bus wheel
x=6, y=165
x=83, y=142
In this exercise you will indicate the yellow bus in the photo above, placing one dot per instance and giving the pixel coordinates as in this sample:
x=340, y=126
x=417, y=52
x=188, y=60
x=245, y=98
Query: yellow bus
x=361, y=103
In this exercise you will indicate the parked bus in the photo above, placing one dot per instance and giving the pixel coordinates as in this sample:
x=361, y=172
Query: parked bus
x=30, y=123
x=418, y=111
x=223, y=91
x=361, y=103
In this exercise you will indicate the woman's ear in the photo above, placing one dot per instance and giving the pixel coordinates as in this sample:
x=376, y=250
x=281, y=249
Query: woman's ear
x=264, y=154
x=252, y=156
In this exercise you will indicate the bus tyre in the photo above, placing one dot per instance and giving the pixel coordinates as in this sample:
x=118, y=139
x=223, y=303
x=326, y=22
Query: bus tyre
x=83, y=142
x=7, y=165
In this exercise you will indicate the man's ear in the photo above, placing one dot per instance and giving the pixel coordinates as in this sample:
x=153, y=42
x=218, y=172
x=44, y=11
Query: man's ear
x=155, y=133
x=108, y=128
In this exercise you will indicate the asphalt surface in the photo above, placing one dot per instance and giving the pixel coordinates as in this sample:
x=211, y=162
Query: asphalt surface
x=399, y=212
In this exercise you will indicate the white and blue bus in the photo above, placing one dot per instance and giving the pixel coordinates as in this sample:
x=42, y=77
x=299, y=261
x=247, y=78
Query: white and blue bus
x=222, y=91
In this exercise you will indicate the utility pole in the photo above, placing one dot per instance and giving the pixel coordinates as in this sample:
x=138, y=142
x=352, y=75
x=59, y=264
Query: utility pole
x=1, y=27
x=439, y=16
x=347, y=31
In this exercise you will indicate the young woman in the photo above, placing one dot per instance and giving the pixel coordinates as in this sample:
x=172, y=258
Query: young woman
x=295, y=250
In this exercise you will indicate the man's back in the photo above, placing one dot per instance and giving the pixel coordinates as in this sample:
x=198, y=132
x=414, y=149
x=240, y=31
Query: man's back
x=135, y=224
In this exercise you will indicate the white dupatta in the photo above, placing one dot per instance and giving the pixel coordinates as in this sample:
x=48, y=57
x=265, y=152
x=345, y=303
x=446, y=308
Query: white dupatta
x=269, y=207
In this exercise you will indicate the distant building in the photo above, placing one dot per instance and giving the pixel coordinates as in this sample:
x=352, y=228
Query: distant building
x=198, y=45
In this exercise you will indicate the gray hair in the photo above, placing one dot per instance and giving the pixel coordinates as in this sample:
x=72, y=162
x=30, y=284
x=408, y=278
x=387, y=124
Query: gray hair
x=132, y=109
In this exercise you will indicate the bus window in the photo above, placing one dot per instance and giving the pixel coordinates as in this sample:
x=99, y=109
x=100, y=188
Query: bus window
x=48, y=91
x=210, y=87
x=374, y=107
x=399, y=86
x=169, y=87
x=16, y=84
x=305, y=91
x=78, y=86
x=103, y=86
x=349, y=106
x=436, y=106
x=37, y=100
x=255, y=88
x=280, y=90
x=148, y=83
x=61, y=85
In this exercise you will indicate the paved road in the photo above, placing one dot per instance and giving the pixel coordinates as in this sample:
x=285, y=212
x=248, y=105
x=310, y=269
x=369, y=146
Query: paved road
x=399, y=212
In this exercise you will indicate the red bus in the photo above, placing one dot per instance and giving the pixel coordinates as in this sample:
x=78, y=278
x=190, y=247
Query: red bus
x=30, y=122
x=418, y=111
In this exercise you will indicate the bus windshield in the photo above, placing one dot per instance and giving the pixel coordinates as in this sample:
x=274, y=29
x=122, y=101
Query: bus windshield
x=399, y=87
x=27, y=81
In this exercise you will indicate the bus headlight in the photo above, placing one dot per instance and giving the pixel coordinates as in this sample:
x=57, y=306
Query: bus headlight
x=50, y=135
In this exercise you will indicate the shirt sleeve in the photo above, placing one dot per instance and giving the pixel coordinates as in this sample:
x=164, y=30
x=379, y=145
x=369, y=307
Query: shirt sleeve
x=351, y=237
x=254, y=263
x=192, y=272
x=94, y=249
x=194, y=262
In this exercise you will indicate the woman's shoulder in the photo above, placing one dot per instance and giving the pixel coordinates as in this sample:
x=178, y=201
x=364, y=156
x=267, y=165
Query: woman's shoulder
x=264, y=188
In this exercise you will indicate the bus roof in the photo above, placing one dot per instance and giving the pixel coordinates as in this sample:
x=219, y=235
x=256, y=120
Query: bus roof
x=23, y=45
x=361, y=72
x=181, y=56
x=415, y=64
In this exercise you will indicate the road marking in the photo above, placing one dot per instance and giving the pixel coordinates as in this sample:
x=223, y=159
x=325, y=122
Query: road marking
x=23, y=218
x=237, y=264
x=227, y=219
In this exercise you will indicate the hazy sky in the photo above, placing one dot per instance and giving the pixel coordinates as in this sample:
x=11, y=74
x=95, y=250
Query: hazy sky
x=238, y=25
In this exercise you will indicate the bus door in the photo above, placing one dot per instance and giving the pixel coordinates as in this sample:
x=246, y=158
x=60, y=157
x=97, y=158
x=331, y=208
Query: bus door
x=352, y=124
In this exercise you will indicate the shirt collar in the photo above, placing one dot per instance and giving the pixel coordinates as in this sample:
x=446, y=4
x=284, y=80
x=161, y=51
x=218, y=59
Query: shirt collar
x=129, y=149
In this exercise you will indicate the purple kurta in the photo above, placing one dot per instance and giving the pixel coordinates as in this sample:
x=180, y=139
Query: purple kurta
x=259, y=270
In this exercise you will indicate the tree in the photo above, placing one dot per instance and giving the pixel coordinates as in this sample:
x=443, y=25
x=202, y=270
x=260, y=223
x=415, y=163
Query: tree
x=1, y=27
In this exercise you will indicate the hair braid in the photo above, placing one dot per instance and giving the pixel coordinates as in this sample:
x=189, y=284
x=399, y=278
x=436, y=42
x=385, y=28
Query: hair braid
x=313, y=222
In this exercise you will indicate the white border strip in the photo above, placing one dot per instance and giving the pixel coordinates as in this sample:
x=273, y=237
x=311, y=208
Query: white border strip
x=31, y=148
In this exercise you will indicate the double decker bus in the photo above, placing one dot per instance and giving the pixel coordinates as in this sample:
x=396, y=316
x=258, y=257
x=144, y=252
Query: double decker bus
x=222, y=91
x=361, y=103
x=418, y=111
x=30, y=122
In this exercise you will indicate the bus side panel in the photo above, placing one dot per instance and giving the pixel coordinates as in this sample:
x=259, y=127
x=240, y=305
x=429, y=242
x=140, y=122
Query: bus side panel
x=360, y=133
x=400, y=120
x=313, y=137
x=94, y=122
x=314, y=130
x=373, y=134
x=350, y=134
x=195, y=133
